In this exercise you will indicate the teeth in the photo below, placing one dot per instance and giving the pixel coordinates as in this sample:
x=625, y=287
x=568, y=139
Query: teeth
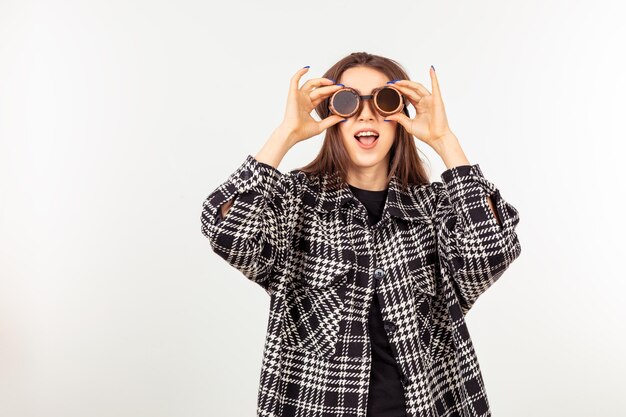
x=365, y=134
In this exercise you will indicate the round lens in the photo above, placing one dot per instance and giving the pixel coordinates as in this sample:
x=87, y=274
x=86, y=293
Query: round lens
x=344, y=101
x=388, y=99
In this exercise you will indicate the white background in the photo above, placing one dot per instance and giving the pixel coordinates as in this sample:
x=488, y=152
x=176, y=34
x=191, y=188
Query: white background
x=117, y=119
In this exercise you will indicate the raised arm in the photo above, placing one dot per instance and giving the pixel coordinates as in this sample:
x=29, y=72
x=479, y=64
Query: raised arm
x=255, y=234
x=476, y=245
x=249, y=218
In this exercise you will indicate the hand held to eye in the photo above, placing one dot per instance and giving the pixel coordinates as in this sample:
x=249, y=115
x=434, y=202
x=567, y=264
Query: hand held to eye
x=301, y=101
x=430, y=123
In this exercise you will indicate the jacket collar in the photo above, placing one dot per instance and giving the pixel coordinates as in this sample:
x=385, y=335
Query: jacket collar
x=333, y=194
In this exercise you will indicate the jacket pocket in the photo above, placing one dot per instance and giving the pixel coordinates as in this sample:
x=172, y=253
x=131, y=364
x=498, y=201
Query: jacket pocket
x=424, y=282
x=424, y=278
x=314, y=305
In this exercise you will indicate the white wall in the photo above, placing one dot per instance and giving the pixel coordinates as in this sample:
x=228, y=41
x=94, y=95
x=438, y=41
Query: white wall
x=117, y=118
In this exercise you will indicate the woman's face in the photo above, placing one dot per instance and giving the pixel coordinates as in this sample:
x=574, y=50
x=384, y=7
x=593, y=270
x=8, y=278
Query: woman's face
x=365, y=153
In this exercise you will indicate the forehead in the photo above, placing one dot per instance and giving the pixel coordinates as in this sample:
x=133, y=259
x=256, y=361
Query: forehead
x=363, y=79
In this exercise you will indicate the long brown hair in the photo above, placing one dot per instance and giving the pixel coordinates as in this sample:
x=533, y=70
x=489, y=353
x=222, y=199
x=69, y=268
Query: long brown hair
x=404, y=161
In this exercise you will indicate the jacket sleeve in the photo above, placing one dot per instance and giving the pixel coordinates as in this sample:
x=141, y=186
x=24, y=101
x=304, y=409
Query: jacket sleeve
x=255, y=235
x=476, y=248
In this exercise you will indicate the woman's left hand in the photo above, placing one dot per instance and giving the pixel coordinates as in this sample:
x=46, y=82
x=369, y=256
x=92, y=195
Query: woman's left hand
x=430, y=122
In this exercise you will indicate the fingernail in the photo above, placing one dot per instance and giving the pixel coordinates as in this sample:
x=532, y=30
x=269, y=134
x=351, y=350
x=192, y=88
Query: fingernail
x=341, y=85
x=432, y=67
x=308, y=66
x=388, y=120
x=391, y=82
x=332, y=80
x=344, y=120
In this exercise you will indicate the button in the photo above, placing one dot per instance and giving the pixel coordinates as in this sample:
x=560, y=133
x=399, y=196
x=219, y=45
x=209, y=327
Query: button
x=246, y=174
x=379, y=273
x=390, y=327
x=405, y=380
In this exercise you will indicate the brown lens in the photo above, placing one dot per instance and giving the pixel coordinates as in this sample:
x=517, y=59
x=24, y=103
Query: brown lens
x=388, y=100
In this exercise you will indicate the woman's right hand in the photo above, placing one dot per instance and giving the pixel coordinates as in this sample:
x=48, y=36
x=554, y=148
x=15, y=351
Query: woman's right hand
x=301, y=102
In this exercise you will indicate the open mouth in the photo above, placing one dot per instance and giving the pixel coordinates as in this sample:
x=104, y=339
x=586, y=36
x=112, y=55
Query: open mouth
x=366, y=141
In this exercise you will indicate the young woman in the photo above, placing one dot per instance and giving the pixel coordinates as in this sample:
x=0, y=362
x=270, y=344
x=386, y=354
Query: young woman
x=370, y=267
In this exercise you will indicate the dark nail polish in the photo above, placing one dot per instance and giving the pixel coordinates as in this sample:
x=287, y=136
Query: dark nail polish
x=341, y=85
x=308, y=66
x=388, y=120
x=432, y=68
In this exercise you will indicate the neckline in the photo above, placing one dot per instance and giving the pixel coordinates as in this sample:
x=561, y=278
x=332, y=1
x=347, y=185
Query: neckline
x=368, y=191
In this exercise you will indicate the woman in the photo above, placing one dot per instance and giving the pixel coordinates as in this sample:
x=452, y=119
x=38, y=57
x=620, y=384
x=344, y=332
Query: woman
x=370, y=267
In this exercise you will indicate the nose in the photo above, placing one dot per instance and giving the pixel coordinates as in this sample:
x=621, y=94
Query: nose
x=367, y=111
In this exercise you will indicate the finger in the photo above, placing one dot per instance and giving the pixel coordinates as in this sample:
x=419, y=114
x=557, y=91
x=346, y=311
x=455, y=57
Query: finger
x=435, y=82
x=329, y=121
x=410, y=93
x=413, y=85
x=401, y=118
x=316, y=82
x=321, y=93
x=295, y=79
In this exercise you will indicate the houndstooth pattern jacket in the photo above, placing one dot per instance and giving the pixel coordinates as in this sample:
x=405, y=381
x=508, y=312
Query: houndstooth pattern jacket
x=306, y=241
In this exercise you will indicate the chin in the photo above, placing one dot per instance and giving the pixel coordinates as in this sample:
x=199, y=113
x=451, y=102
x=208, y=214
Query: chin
x=365, y=161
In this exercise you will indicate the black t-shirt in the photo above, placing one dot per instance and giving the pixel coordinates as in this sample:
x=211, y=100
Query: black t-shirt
x=386, y=393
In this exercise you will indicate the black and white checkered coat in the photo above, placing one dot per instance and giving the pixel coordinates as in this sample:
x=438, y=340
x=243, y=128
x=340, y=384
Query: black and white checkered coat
x=307, y=243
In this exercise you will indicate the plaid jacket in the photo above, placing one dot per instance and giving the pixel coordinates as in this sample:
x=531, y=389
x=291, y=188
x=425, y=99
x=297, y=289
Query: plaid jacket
x=306, y=241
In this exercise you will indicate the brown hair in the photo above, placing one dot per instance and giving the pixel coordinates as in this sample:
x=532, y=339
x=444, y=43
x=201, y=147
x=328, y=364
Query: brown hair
x=404, y=161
